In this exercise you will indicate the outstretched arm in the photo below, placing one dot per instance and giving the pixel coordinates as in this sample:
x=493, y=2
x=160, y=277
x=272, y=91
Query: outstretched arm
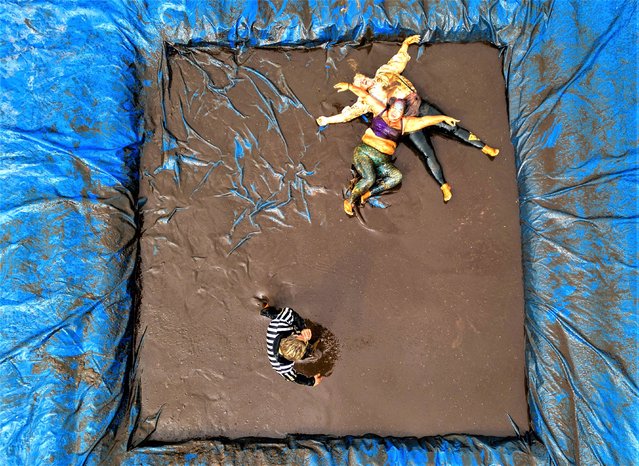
x=408, y=41
x=349, y=113
x=375, y=105
x=398, y=62
x=412, y=124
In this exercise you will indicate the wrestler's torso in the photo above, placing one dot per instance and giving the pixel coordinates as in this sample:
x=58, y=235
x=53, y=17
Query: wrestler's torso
x=391, y=85
x=383, y=134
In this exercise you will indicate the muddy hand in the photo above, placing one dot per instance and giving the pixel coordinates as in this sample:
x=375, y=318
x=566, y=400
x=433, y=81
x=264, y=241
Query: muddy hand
x=412, y=39
x=306, y=334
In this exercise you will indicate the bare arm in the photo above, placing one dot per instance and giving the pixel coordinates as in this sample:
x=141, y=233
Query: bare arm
x=349, y=113
x=398, y=62
x=409, y=41
x=412, y=124
x=375, y=105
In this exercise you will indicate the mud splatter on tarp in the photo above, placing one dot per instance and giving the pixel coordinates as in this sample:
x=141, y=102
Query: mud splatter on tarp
x=72, y=368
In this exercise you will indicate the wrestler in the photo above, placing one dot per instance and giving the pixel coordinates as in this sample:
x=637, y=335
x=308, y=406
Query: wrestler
x=373, y=158
x=389, y=82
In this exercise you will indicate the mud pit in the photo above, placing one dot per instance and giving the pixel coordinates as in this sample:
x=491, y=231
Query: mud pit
x=424, y=299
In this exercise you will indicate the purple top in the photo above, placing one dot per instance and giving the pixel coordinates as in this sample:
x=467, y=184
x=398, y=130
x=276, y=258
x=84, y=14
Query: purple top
x=383, y=130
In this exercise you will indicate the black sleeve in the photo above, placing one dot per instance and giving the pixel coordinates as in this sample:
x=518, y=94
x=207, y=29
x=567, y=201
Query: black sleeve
x=276, y=344
x=298, y=322
x=270, y=311
x=303, y=379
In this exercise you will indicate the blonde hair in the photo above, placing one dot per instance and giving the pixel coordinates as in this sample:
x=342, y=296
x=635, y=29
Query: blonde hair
x=292, y=348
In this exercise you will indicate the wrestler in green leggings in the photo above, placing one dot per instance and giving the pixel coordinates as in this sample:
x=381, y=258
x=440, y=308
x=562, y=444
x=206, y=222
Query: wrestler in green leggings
x=373, y=165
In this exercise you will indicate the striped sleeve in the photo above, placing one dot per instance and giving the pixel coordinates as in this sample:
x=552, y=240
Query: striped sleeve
x=293, y=318
x=296, y=377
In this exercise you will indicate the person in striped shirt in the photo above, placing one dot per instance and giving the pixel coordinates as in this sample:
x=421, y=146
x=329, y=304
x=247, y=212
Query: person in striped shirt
x=287, y=340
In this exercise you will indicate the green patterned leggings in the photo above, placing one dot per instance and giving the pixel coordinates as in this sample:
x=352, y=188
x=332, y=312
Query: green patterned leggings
x=373, y=166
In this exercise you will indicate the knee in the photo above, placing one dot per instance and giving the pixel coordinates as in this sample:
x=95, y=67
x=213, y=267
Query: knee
x=396, y=177
x=367, y=182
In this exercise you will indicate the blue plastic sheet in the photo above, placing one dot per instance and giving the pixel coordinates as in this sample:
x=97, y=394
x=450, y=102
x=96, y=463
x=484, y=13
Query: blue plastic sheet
x=74, y=79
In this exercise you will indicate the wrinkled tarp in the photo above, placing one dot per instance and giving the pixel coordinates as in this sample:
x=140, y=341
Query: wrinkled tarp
x=74, y=79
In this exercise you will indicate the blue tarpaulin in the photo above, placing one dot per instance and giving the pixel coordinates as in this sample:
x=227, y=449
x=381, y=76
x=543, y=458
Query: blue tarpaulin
x=74, y=81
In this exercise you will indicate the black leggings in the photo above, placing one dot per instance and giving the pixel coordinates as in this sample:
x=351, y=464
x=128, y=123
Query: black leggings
x=425, y=149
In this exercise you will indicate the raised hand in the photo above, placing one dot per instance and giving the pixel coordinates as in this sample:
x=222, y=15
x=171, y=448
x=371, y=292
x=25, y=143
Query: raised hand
x=305, y=335
x=412, y=40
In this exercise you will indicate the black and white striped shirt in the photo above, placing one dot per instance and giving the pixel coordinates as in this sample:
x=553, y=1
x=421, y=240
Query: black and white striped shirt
x=284, y=323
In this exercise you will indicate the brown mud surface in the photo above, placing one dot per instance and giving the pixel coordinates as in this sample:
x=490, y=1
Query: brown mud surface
x=421, y=303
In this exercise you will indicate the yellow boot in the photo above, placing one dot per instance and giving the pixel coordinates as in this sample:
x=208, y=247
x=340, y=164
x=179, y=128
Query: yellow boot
x=348, y=208
x=490, y=151
x=365, y=197
x=446, y=191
